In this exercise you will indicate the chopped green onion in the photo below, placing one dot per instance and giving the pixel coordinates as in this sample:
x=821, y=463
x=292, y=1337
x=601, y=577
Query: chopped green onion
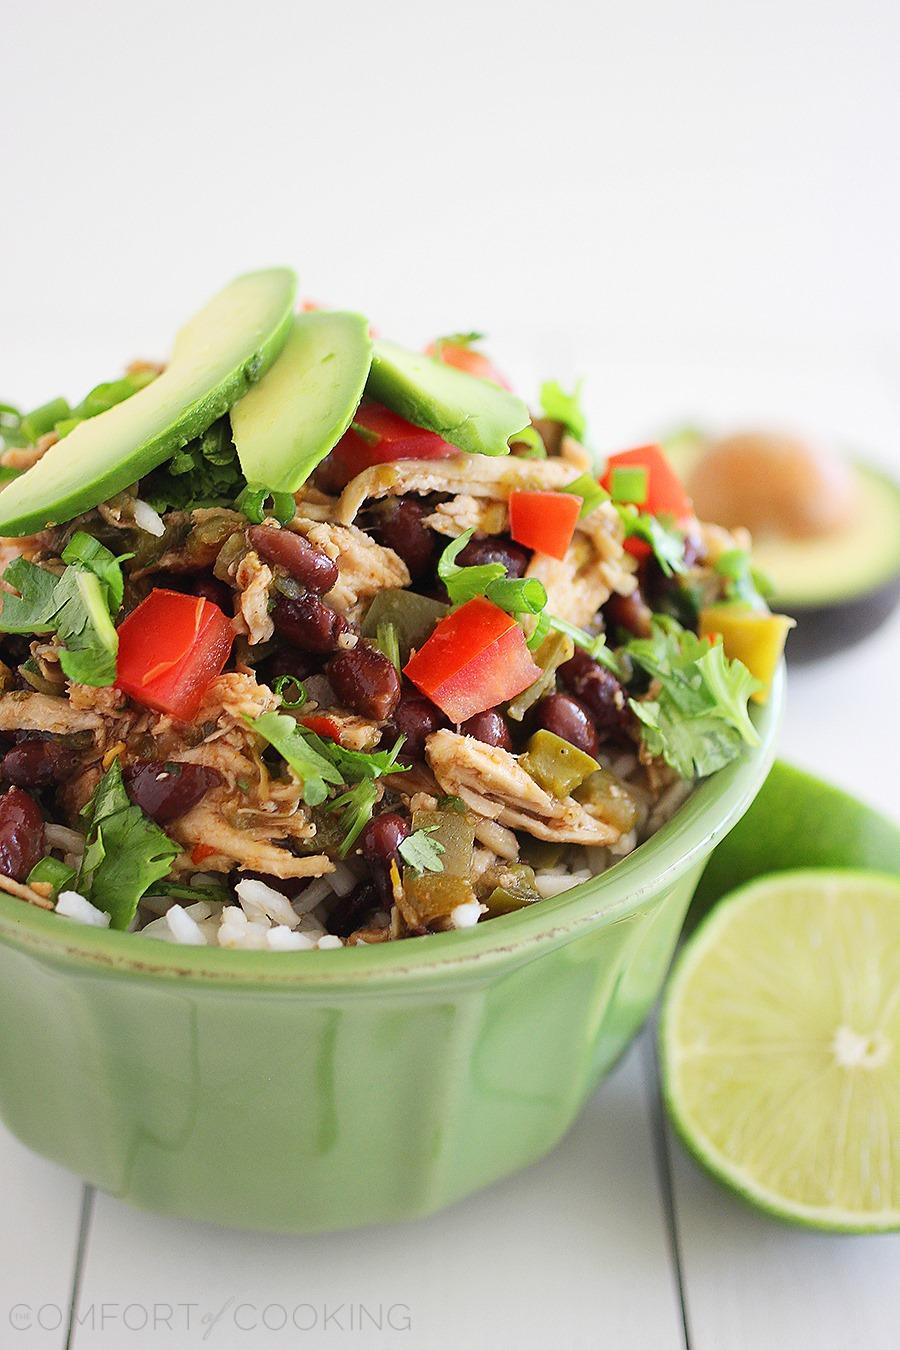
x=51, y=870
x=252, y=503
x=356, y=808
x=388, y=643
x=465, y=583
x=300, y=694
x=629, y=484
x=589, y=490
x=533, y=440
x=517, y=595
x=43, y=419
x=67, y=424
x=365, y=433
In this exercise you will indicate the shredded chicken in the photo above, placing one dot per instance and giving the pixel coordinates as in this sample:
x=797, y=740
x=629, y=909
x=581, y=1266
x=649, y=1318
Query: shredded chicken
x=354, y=733
x=493, y=784
x=23, y=711
x=364, y=567
x=253, y=578
x=476, y=475
x=595, y=565
x=244, y=844
x=23, y=456
x=466, y=512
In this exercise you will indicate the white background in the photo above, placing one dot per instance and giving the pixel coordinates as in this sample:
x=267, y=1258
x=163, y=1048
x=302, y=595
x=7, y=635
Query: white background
x=697, y=206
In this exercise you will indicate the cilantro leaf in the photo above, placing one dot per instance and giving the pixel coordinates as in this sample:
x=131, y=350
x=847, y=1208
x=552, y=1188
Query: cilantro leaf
x=206, y=472
x=697, y=719
x=356, y=765
x=356, y=808
x=566, y=408
x=666, y=541
x=422, y=853
x=465, y=583
x=77, y=606
x=125, y=852
x=285, y=735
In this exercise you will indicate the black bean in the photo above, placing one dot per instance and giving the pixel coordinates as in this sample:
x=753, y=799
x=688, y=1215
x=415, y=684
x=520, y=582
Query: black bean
x=568, y=718
x=398, y=525
x=599, y=690
x=415, y=717
x=21, y=834
x=38, y=764
x=630, y=612
x=165, y=791
x=300, y=559
x=309, y=623
x=491, y=727
x=380, y=842
x=354, y=910
x=365, y=681
x=496, y=548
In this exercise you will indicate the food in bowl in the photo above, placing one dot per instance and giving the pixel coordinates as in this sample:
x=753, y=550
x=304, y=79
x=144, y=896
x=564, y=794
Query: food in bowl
x=312, y=641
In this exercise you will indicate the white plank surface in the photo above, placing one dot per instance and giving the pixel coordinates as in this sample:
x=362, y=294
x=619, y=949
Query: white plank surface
x=572, y=1253
x=754, y=1284
x=40, y=1213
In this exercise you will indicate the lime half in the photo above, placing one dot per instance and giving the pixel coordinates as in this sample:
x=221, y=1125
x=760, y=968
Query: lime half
x=780, y=1045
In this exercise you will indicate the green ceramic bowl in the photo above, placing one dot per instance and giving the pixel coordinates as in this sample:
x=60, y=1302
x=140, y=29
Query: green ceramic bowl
x=300, y=1091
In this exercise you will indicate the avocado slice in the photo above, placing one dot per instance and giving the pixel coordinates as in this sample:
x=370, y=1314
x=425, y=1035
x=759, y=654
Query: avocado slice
x=217, y=355
x=839, y=586
x=474, y=414
x=288, y=422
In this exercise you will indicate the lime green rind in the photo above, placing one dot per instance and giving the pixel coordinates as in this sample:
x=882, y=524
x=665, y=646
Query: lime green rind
x=798, y=820
x=216, y=357
x=289, y=421
x=735, y=1179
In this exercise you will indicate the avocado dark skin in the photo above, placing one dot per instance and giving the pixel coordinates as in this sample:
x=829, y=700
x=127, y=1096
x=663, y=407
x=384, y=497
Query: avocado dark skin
x=823, y=630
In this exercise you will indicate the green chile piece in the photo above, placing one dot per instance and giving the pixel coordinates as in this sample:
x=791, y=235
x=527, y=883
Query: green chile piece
x=615, y=800
x=555, y=765
x=413, y=617
x=555, y=649
x=512, y=886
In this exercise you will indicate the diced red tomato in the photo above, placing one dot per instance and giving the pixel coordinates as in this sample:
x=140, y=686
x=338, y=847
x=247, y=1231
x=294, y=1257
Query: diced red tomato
x=170, y=647
x=200, y=852
x=474, y=659
x=385, y=437
x=544, y=521
x=665, y=492
x=468, y=360
x=322, y=726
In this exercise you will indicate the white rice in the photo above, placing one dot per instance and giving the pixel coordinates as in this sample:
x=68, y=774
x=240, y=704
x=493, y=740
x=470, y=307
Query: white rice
x=261, y=901
x=148, y=520
x=466, y=915
x=281, y=939
x=183, y=928
x=74, y=906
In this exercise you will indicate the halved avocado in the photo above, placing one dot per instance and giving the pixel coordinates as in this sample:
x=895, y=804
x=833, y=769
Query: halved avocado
x=474, y=414
x=217, y=355
x=286, y=425
x=839, y=586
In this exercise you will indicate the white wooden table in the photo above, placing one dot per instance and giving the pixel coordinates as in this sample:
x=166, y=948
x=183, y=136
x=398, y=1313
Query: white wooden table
x=616, y=1240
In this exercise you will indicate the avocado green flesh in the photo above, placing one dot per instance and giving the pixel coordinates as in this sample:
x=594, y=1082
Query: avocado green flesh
x=473, y=414
x=845, y=564
x=816, y=572
x=217, y=355
x=288, y=422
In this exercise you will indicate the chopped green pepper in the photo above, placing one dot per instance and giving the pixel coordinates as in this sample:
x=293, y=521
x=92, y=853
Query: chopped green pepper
x=555, y=765
x=507, y=887
x=412, y=615
x=455, y=833
x=554, y=651
x=613, y=798
x=431, y=896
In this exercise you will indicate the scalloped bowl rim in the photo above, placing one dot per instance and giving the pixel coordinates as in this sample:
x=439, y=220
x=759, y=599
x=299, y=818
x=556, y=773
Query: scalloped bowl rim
x=707, y=815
